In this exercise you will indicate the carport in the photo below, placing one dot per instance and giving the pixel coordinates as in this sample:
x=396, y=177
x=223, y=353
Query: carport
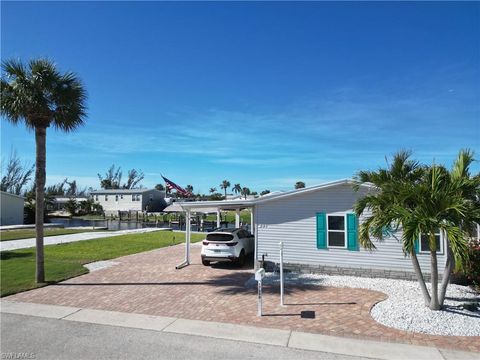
x=225, y=205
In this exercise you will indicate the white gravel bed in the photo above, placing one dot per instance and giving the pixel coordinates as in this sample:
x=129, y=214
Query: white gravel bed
x=99, y=265
x=404, y=308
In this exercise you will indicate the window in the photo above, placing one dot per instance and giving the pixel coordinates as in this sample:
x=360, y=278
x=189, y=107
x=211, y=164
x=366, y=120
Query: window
x=96, y=197
x=133, y=197
x=336, y=231
x=121, y=196
x=138, y=197
x=106, y=197
x=424, y=242
x=116, y=197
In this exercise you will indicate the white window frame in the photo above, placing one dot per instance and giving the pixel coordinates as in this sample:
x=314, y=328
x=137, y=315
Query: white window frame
x=442, y=238
x=344, y=231
x=106, y=197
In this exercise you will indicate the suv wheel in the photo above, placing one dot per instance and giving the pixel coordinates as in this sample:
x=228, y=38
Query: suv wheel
x=206, y=262
x=241, y=258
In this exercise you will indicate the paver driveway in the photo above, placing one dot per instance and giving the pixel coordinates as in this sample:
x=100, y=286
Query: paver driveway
x=148, y=283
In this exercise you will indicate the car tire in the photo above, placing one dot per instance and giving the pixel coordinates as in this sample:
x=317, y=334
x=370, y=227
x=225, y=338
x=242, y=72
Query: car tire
x=206, y=262
x=241, y=258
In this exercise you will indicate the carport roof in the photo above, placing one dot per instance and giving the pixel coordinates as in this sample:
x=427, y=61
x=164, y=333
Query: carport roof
x=234, y=204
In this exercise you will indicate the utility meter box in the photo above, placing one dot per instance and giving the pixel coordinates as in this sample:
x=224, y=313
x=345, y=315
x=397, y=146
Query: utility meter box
x=260, y=274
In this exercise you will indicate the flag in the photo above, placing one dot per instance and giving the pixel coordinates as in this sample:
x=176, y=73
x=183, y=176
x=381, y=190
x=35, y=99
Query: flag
x=171, y=185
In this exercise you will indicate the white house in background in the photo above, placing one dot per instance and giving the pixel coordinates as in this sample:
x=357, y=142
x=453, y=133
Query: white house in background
x=319, y=231
x=113, y=201
x=11, y=209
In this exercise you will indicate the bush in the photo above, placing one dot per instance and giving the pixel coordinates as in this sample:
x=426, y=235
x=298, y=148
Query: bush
x=469, y=273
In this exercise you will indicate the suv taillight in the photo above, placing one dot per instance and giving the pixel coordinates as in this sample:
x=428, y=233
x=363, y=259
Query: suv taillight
x=205, y=242
x=232, y=243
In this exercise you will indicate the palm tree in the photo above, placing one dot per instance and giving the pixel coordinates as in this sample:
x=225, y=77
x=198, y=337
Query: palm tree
x=422, y=201
x=225, y=185
x=38, y=95
x=299, y=185
x=237, y=189
x=245, y=192
x=213, y=190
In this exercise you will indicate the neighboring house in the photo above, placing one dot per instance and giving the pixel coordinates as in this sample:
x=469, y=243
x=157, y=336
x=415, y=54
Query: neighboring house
x=319, y=231
x=11, y=209
x=113, y=201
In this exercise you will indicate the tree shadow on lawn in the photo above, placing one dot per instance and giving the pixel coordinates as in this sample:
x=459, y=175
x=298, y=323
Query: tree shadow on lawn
x=7, y=255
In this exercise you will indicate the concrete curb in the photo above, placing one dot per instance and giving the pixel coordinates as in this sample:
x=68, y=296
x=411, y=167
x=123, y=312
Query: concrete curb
x=251, y=334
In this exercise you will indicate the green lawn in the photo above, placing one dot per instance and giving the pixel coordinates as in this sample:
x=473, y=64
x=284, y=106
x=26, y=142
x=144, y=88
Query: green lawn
x=64, y=261
x=30, y=233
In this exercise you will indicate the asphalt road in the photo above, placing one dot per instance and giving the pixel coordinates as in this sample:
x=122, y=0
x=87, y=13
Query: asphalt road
x=29, y=337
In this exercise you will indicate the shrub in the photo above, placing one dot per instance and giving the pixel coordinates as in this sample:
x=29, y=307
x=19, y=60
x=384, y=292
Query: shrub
x=469, y=273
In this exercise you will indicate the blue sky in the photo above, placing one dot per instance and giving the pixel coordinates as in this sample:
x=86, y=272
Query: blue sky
x=262, y=94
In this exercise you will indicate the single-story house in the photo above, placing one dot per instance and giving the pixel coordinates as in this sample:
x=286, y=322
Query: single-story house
x=319, y=232
x=11, y=209
x=115, y=200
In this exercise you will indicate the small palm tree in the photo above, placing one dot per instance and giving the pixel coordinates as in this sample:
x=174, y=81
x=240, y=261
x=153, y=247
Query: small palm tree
x=245, y=191
x=213, y=190
x=225, y=185
x=237, y=189
x=189, y=188
x=420, y=201
x=38, y=95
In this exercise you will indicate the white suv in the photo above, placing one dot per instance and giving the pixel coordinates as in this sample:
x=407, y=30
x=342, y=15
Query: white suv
x=227, y=245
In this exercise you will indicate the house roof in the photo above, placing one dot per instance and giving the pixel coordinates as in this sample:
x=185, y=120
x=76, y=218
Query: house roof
x=122, y=191
x=232, y=204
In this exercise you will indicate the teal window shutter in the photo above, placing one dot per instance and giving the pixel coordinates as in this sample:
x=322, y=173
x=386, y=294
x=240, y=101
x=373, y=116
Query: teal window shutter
x=352, y=232
x=416, y=246
x=321, y=231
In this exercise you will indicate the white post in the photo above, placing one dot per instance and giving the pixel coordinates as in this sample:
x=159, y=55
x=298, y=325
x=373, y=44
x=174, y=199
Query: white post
x=255, y=234
x=259, y=309
x=237, y=218
x=218, y=218
x=281, y=274
x=187, y=231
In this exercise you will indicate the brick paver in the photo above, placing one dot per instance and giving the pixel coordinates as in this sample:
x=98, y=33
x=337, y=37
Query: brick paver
x=148, y=283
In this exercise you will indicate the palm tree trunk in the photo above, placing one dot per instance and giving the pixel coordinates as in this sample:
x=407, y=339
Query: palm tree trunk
x=40, y=139
x=421, y=280
x=449, y=266
x=434, y=305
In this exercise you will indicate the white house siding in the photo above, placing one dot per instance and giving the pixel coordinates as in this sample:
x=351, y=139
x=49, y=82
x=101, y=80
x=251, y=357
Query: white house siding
x=293, y=221
x=113, y=205
x=11, y=209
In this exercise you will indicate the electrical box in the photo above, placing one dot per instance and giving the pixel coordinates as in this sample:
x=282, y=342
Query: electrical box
x=260, y=274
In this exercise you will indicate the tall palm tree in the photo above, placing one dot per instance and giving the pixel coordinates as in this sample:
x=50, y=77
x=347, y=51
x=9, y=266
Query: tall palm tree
x=237, y=189
x=38, y=95
x=225, y=185
x=422, y=201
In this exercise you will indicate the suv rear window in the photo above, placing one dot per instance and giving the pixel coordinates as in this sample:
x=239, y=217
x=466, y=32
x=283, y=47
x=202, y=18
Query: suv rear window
x=219, y=237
